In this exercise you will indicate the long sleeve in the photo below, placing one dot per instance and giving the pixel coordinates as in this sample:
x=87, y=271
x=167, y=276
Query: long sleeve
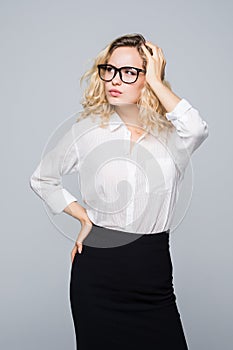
x=46, y=181
x=190, y=132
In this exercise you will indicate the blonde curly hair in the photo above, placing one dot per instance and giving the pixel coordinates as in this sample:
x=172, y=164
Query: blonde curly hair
x=94, y=102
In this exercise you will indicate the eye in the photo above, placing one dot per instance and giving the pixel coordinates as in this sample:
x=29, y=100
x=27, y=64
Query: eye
x=109, y=69
x=130, y=71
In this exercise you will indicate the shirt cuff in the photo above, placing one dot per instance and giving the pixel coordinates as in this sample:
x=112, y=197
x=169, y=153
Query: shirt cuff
x=182, y=106
x=59, y=200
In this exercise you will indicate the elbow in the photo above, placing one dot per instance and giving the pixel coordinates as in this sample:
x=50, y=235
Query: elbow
x=35, y=184
x=202, y=131
x=198, y=126
x=32, y=182
x=200, y=134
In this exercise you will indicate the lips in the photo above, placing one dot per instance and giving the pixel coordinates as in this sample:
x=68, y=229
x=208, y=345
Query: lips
x=115, y=92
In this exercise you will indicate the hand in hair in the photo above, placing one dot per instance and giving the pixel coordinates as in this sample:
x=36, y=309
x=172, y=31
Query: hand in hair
x=155, y=63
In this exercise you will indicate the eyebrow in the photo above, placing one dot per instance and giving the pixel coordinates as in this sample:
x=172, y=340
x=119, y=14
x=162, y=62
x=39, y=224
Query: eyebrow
x=126, y=66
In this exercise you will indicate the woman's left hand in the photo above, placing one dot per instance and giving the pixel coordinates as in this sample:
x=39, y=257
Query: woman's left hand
x=155, y=64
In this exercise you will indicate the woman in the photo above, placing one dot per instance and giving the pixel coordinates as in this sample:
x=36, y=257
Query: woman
x=133, y=130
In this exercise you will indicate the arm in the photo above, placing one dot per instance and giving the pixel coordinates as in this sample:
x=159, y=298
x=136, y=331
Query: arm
x=184, y=117
x=167, y=97
x=191, y=129
x=46, y=181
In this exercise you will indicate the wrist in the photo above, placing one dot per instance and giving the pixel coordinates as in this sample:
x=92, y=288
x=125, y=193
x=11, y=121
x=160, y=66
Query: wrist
x=156, y=85
x=85, y=221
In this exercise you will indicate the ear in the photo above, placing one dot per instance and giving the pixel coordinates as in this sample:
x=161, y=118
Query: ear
x=144, y=81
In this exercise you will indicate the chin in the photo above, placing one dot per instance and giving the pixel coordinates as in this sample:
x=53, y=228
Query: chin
x=115, y=102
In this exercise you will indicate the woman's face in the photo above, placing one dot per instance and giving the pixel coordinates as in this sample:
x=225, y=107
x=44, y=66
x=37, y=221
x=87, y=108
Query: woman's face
x=130, y=93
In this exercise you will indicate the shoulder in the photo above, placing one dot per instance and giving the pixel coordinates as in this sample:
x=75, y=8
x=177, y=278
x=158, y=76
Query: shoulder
x=86, y=124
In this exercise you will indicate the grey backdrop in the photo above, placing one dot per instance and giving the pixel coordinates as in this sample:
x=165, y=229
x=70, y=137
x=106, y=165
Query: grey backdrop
x=45, y=47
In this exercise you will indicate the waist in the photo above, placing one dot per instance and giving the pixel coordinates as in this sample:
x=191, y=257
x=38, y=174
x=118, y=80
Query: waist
x=103, y=237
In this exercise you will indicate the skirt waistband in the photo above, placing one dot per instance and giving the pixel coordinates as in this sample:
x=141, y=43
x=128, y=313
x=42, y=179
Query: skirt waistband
x=103, y=237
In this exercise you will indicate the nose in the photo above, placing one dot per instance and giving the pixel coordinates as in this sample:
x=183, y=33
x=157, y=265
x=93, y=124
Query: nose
x=117, y=79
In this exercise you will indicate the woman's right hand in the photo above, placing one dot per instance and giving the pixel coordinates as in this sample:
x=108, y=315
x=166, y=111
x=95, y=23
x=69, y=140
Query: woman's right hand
x=86, y=227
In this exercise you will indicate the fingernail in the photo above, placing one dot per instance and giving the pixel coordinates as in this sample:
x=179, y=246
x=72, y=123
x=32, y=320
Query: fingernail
x=79, y=250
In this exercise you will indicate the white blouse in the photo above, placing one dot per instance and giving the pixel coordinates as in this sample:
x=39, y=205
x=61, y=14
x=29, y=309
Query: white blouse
x=123, y=188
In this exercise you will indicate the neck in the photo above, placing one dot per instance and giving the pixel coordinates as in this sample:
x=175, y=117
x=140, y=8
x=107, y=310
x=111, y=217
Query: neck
x=129, y=115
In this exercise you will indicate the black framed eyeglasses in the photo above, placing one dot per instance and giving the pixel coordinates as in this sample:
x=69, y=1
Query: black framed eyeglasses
x=127, y=74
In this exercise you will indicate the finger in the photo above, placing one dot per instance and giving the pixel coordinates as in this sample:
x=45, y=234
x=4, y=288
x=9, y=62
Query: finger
x=147, y=53
x=155, y=50
x=160, y=51
x=74, y=251
x=148, y=47
x=79, y=246
x=72, y=257
x=149, y=43
x=152, y=46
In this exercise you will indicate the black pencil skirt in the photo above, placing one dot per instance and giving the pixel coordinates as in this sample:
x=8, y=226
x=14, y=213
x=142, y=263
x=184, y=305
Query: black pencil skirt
x=122, y=296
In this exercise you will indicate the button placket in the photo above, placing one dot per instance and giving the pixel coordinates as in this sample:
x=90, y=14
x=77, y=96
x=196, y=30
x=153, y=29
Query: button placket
x=128, y=141
x=131, y=174
x=130, y=177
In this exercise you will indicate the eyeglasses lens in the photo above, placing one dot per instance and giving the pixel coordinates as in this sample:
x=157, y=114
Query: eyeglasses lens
x=129, y=75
